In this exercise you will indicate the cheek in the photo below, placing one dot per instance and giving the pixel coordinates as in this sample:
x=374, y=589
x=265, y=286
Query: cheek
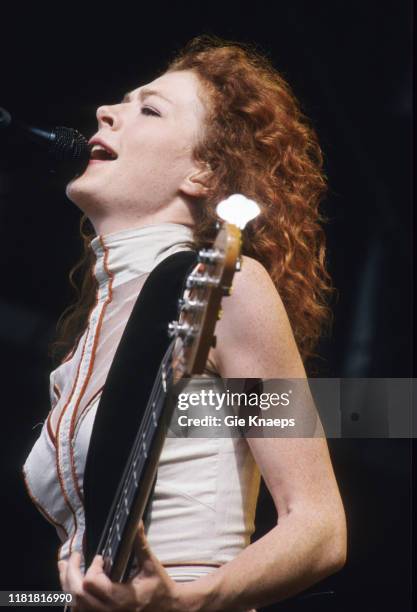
x=160, y=144
x=164, y=160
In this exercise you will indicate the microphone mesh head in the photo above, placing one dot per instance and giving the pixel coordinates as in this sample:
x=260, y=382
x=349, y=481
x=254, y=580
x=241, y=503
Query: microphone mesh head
x=69, y=145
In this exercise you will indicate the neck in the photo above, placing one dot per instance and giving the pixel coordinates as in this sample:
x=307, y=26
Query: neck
x=109, y=223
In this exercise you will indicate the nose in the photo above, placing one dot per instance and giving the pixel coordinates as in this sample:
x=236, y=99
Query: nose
x=107, y=115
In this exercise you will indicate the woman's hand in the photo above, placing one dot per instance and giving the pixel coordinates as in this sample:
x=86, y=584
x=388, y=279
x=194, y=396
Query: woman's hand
x=151, y=590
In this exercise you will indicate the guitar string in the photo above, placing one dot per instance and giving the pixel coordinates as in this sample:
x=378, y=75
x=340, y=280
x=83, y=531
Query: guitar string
x=134, y=452
x=138, y=458
x=135, y=460
x=138, y=455
x=130, y=489
x=126, y=496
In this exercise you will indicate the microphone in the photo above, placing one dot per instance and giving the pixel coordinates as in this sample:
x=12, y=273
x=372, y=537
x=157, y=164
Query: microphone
x=61, y=145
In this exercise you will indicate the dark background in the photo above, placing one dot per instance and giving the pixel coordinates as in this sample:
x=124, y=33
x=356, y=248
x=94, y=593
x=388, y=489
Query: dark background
x=350, y=65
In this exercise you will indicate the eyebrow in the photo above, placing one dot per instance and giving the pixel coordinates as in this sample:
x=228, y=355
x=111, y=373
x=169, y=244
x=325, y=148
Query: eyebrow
x=145, y=93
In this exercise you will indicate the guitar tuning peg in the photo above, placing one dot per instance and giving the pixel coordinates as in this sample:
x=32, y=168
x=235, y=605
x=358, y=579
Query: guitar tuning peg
x=172, y=328
x=209, y=256
x=195, y=280
x=189, y=305
x=183, y=330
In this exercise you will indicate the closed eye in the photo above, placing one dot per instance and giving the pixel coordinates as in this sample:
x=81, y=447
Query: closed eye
x=147, y=110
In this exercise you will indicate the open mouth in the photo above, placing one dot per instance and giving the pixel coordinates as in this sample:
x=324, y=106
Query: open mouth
x=99, y=152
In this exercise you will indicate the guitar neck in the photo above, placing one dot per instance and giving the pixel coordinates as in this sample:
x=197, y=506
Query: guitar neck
x=205, y=287
x=136, y=484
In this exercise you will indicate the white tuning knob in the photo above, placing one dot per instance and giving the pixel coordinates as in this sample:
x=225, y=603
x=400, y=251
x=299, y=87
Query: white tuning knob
x=238, y=209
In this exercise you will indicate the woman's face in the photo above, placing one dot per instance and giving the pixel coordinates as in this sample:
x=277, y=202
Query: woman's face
x=152, y=133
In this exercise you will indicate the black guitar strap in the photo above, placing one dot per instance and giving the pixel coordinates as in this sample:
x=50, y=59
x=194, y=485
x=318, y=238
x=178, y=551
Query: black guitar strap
x=128, y=387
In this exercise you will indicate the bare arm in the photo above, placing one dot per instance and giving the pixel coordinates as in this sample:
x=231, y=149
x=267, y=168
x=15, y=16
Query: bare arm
x=309, y=542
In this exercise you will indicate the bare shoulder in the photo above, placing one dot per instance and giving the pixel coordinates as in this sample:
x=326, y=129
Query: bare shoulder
x=253, y=288
x=252, y=272
x=254, y=334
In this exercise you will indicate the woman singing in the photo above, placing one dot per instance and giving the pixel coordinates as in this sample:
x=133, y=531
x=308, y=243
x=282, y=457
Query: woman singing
x=220, y=120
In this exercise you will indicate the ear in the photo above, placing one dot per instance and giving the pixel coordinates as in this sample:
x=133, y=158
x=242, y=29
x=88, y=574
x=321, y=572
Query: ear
x=196, y=183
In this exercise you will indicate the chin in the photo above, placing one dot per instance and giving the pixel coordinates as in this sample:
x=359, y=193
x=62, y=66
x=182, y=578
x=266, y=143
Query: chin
x=82, y=192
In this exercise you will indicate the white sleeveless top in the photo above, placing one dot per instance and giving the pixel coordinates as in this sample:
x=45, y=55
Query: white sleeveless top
x=203, y=507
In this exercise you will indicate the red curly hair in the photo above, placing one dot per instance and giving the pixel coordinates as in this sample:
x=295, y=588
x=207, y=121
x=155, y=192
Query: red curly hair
x=256, y=142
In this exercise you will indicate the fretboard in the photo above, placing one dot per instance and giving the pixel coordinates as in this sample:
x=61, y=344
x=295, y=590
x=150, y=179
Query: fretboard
x=136, y=484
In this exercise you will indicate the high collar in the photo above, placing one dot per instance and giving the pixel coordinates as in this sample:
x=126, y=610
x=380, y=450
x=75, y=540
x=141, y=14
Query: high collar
x=130, y=253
